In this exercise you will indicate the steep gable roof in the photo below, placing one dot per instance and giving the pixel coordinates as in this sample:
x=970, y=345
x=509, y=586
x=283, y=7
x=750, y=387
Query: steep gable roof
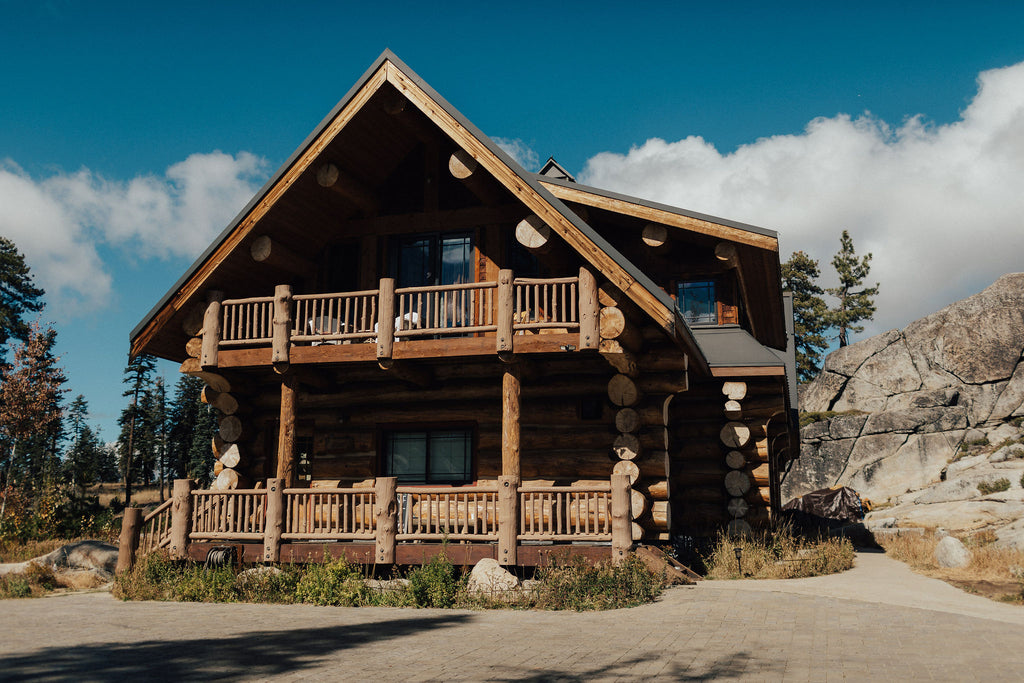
x=527, y=188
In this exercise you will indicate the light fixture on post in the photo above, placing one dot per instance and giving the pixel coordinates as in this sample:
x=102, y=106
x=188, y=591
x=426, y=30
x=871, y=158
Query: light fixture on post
x=738, y=550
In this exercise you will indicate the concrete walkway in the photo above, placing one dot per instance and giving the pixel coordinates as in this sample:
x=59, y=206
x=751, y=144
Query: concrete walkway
x=877, y=622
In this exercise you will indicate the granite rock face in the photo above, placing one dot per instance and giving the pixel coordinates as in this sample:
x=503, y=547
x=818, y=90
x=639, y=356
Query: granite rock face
x=929, y=413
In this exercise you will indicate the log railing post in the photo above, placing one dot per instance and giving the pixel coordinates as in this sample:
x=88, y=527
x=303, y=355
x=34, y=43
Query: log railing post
x=506, y=306
x=590, y=311
x=128, y=544
x=211, y=331
x=274, y=521
x=386, y=318
x=281, y=339
x=385, y=510
x=508, y=519
x=622, y=518
x=181, y=517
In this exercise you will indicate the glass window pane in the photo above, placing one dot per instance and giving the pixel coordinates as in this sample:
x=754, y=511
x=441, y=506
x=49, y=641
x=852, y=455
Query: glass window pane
x=456, y=260
x=414, y=268
x=407, y=456
x=449, y=456
x=697, y=302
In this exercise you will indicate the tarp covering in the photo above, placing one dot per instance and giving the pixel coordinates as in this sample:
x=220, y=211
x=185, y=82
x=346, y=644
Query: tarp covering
x=841, y=503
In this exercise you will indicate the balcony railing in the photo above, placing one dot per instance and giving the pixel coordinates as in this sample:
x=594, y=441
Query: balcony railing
x=505, y=308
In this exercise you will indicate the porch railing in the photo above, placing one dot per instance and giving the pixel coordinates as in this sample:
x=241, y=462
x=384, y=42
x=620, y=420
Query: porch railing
x=503, y=514
x=156, y=529
x=507, y=307
x=456, y=514
x=329, y=514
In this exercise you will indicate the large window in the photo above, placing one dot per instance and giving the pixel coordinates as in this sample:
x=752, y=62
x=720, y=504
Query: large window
x=696, y=301
x=437, y=259
x=428, y=456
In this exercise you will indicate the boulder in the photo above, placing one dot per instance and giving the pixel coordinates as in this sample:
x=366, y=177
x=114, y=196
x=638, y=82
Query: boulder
x=822, y=391
x=490, y=577
x=950, y=552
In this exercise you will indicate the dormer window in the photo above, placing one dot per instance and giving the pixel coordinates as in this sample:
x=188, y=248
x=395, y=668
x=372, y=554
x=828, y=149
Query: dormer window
x=697, y=302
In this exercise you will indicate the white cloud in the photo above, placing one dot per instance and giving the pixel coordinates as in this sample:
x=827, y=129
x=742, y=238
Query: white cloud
x=520, y=151
x=940, y=207
x=58, y=222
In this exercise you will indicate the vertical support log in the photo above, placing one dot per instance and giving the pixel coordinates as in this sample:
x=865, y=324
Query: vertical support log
x=386, y=318
x=508, y=519
x=181, y=517
x=590, y=311
x=128, y=543
x=386, y=513
x=506, y=305
x=286, y=431
x=282, y=327
x=274, y=521
x=511, y=390
x=211, y=331
x=622, y=518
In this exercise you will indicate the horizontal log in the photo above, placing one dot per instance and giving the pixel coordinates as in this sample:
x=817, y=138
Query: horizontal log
x=735, y=434
x=663, y=359
x=655, y=236
x=534, y=234
x=623, y=391
x=735, y=391
x=737, y=507
x=230, y=428
x=638, y=503
x=192, y=368
x=222, y=401
x=330, y=176
x=229, y=480
x=737, y=483
x=726, y=253
x=627, y=420
x=231, y=457
x=759, y=495
x=627, y=447
x=619, y=357
x=655, y=489
x=663, y=383
x=194, y=347
x=610, y=295
x=628, y=468
x=192, y=323
x=266, y=251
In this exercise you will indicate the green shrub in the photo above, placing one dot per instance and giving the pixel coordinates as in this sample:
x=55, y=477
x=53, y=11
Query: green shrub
x=15, y=586
x=332, y=583
x=435, y=584
x=988, y=487
x=581, y=586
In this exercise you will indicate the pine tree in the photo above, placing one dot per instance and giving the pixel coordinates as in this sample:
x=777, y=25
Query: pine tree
x=810, y=314
x=200, y=460
x=854, y=304
x=138, y=377
x=182, y=421
x=18, y=295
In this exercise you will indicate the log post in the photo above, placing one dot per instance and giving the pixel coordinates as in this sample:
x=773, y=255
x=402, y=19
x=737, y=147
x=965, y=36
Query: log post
x=508, y=519
x=286, y=431
x=386, y=512
x=274, y=521
x=590, y=311
x=181, y=518
x=211, y=331
x=622, y=518
x=615, y=325
x=128, y=543
x=386, y=318
x=511, y=390
x=506, y=305
x=281, y=340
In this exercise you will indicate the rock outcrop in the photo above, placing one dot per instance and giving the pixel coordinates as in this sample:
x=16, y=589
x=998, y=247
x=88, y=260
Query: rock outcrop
x=926, y=415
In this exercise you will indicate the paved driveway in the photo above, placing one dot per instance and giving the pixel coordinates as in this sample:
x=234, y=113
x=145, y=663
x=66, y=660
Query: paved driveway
x=831, y=628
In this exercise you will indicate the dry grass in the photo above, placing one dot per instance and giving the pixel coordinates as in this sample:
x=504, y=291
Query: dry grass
x=141, y=495
x=778, y=553
x=16, y=551
x=996, y=572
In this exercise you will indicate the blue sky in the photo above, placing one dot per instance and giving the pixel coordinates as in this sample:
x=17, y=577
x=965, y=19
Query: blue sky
x=130, y=134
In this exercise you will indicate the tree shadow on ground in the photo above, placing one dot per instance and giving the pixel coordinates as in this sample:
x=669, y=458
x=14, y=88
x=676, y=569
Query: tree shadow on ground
x=255, y=654
x=730, y=666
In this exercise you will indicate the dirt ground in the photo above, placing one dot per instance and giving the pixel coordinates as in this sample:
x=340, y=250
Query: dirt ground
x=1000, y=591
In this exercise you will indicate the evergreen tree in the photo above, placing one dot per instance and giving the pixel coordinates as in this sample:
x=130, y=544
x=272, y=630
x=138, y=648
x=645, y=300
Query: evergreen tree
x=182, y=420
x=30, y=411
x=138, y=376
x=200, y=458
x=810, y=314
x=158, y=429
x=18, y=295
x=854, y=304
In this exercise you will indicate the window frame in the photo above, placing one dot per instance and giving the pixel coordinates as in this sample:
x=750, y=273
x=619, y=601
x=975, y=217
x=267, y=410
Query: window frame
x=715, y=314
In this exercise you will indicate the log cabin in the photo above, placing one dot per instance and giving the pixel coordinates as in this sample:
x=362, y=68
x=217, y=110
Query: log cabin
x=411, y=340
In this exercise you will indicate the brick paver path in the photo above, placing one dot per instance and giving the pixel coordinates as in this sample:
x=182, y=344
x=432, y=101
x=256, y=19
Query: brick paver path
x=715, y=630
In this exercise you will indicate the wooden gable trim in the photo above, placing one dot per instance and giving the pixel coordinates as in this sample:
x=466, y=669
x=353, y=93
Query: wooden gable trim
x=257, y=212
x=647, y=213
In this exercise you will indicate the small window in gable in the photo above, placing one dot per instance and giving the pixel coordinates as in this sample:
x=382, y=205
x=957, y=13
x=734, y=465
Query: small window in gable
x=697, y=303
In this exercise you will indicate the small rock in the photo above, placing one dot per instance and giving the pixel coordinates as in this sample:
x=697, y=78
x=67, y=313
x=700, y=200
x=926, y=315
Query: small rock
x=950, y=552
x=255, y=573
x=490, y=577
x=880, y=523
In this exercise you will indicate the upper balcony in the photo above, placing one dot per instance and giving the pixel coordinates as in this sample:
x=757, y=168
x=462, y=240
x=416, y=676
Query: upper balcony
x=510, y=315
